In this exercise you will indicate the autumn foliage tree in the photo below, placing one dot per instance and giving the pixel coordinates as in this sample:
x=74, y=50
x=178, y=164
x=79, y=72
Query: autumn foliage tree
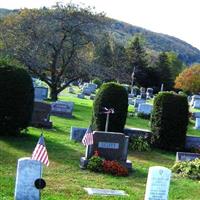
x=189, y=79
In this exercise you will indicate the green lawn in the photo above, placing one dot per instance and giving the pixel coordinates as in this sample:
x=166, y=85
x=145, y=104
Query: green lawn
x=65, y=180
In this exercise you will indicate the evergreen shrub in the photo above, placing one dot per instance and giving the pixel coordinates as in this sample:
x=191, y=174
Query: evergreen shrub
x=169, y=121
x=110, y=95
x=16, y=99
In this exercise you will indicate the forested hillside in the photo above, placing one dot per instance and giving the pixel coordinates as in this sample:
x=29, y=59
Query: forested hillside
x=155, y=41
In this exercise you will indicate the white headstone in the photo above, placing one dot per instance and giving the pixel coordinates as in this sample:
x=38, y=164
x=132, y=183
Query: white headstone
x=40, y=93
x=158, y=182
x=196, y=104
x=197, y=123
x=145, y=108
x=28, y=171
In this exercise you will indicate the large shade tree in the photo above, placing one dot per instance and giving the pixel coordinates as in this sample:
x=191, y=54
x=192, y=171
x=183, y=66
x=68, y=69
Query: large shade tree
x=51, y=43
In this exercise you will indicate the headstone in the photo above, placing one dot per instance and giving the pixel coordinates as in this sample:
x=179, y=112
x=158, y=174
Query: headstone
x=105, y=192
x=185, y=156
x=28, y=171
x=77, y=134
x=196, y=104
x=92, y=96
x=137, y=132
x=158, y=182
x=62, y=108
x=111, y=146
x=195, y=115
x=130, y=101
x=194, y=98
x=149, y=92
x=197, y=123
x=70, y=89
x=142, y=93
x=86, y=91
x=145, y=108
x=138, y=101
x=40, y=93
x=91, y=86
x=81, y=96
x=192, y=142
x=41, y=115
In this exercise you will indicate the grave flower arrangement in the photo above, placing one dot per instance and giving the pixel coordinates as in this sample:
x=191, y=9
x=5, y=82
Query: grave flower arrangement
x=98, y=164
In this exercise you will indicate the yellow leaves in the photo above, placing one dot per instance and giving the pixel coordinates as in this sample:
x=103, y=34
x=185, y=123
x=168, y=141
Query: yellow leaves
x=189, y=79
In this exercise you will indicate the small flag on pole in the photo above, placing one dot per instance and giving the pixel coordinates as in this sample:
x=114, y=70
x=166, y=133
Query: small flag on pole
x=88, y=137
x=40, y=152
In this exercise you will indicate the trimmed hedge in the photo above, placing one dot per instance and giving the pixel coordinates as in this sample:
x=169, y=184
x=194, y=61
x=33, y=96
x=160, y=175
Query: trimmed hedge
x=169, y=121
x=110, y=95
x=16, y=99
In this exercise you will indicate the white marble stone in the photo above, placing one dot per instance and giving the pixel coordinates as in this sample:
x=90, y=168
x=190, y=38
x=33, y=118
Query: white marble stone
x=158, y=182
x=196, y=104
x=28, y=171
x=105, y=192
x=197, y=123
x=145, y=108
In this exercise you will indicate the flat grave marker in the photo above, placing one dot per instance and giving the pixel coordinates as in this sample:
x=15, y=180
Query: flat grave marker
x=105, y=192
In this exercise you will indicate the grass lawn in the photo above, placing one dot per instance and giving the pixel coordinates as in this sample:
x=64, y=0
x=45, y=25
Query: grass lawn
x=65, y=180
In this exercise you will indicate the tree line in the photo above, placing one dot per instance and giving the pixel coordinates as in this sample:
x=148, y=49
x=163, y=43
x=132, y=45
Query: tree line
x=67, y=43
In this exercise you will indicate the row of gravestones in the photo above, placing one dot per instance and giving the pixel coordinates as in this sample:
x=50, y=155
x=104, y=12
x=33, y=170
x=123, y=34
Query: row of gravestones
x=42, y=111
x=111, y=146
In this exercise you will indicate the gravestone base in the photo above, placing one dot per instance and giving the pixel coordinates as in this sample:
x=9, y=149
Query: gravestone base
x=84, y=162
x=47, y=124
x=62, y=114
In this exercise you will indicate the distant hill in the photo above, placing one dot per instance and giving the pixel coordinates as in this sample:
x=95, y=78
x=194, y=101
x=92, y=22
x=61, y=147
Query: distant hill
x=156, y=41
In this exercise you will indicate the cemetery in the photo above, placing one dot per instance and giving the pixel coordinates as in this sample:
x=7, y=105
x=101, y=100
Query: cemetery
x=77, y=123
x=66, y=155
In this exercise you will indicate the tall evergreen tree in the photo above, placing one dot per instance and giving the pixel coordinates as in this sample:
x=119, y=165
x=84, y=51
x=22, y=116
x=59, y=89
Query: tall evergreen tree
x=138, y=61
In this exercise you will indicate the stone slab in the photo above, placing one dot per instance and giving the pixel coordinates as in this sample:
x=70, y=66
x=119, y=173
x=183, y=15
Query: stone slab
x=77, y=133
x=185, y=156
x=105, y=192
x=192, y=142
x=40, y=93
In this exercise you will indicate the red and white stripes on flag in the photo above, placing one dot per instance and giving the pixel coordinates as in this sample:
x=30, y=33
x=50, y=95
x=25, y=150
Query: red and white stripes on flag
x=88, y=137
x=40, y=152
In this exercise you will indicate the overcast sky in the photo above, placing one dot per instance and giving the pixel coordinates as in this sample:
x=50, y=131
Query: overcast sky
x=179, y=18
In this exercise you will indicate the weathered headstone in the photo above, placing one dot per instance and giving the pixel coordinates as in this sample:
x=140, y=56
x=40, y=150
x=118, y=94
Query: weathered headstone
x=185, y=156
x=62, y=108
x=40, y=93
x=86, y=91
x=41, y=115
x=111, y=146
x=158, y=182
x=28, y=171
x=145, y=108
x=77, y=134
x=195, y=115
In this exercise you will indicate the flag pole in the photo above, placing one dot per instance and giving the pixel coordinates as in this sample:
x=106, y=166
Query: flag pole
x=107, y=121
x=40, y=168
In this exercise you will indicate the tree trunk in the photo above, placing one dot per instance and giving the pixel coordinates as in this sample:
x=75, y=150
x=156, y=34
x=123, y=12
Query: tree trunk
x=54, y=94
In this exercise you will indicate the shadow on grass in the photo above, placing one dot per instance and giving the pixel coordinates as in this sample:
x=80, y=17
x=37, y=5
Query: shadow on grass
x=60, y=153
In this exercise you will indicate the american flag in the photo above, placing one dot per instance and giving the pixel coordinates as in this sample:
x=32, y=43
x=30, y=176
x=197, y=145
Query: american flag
x=40, y=152
x=88, y=137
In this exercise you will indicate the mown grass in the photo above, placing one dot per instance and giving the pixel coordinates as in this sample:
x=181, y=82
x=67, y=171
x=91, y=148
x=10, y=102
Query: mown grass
x=65, y=180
